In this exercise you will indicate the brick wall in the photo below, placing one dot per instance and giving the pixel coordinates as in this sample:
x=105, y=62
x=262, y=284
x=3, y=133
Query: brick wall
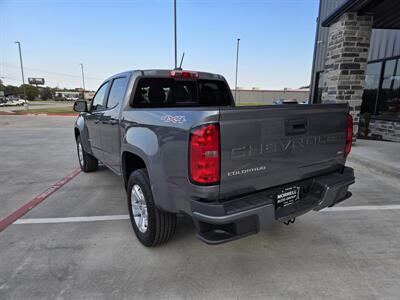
x=346, y=62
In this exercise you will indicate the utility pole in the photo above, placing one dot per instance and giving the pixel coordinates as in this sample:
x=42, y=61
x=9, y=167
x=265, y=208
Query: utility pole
x=176, y=53
x=237, y=64
x=22, y=67
x=83, y=81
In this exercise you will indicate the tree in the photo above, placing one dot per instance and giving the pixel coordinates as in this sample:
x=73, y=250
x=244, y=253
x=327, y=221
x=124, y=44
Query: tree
x=46, y=93
x=2, y=86
x=31, y=91
x=11, y=90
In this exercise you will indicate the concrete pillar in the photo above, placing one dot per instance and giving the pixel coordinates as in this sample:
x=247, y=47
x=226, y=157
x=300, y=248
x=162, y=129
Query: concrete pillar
x=346, y=62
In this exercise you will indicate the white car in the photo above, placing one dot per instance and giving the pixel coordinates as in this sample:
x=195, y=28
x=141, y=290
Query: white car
x=13, y=103
x=21, y=101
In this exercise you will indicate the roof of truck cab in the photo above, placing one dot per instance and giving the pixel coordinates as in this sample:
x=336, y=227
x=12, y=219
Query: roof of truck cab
x=166, y=73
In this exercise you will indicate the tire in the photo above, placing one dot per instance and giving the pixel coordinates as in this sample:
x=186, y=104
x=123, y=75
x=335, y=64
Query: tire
x=87, y=162
x=161, y=225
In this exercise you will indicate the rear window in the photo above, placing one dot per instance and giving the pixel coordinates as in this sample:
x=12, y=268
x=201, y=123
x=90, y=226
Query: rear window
x=181, y=92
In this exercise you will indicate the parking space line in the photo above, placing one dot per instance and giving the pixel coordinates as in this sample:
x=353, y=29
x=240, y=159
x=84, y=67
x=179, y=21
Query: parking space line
x=11, y=218
x=71, y=219
x=363, y=207
x=126, y=217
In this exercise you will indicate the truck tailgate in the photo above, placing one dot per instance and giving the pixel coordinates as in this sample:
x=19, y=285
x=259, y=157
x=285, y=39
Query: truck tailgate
x=267, y=146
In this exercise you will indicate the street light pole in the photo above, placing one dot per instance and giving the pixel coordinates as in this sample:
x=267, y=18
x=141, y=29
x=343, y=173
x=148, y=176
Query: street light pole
x=176, y=53
x=22, y=67
x=83, y=81
x=237, y=64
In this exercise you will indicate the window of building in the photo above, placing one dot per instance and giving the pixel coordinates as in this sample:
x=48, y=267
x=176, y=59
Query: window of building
x=389, y=97
x=117, y=92
x=371, y=87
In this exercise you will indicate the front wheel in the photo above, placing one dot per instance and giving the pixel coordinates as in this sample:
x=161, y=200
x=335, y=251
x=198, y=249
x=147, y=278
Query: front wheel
x=87, y=162
x=152, y=225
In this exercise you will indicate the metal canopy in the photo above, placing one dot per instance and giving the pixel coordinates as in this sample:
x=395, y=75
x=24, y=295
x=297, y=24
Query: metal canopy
x=386, y=12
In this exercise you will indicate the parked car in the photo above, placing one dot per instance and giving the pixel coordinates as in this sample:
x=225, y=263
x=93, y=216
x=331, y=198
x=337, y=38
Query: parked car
x=183, y=147
x=21, y=101
x=285, y=101
x=307, y=101
x=12, y=103
x=71, y=98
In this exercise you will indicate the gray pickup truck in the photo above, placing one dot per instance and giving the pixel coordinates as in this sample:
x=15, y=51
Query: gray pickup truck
x=183, y=147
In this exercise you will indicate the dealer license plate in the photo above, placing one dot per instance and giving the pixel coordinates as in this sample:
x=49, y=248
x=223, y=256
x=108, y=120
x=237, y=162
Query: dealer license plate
x=287, y=196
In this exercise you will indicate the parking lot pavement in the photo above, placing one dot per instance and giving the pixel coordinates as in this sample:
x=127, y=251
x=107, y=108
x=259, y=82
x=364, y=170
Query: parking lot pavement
x=373, y=188
x=350, y=254
x=35, y=152
x=380, y=156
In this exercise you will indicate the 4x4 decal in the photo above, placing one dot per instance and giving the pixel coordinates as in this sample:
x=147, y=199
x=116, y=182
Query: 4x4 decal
x=174, y=119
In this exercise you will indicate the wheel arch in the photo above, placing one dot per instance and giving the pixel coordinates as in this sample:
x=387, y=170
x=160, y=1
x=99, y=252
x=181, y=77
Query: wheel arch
x=130, y=163
x=77, y=133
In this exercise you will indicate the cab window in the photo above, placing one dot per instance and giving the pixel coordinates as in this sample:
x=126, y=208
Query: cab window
x=158, y=92
x=98, y=100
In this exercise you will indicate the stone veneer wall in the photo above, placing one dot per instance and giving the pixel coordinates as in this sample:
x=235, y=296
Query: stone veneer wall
x=346, y=62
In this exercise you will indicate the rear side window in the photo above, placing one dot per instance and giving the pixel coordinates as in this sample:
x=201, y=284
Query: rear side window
x=181, y=92
x=117, y=92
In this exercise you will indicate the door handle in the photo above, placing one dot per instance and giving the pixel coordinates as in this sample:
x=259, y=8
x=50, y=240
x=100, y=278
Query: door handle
x=296, y=126
x=111, y=122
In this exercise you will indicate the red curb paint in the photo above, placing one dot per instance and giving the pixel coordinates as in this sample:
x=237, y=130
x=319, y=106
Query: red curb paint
x=11, y=218
x=38, y=115
x=64, y=115
x=51, y=115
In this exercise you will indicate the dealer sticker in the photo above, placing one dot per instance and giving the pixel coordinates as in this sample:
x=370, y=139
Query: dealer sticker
x=288, y=196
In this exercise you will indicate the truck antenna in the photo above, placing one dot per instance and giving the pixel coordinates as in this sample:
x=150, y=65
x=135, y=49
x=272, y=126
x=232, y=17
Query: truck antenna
x=180, y=65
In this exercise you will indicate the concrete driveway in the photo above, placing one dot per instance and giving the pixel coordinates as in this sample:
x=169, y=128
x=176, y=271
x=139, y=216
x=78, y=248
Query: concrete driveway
x=78, y=242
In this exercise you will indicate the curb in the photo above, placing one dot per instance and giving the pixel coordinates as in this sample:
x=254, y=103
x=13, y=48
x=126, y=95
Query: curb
x=51, y=115
x=38, y=115
x=374, y=165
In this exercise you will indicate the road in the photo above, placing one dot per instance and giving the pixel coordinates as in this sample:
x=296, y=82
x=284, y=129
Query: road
x=352, y=253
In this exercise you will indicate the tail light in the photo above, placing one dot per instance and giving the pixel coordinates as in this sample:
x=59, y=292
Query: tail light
x=183, y=74
x=204, y=154
x=349, y=134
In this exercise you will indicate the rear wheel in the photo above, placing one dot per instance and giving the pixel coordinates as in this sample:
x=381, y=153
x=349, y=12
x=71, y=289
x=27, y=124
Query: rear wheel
x=152, y=225
x=87, y=162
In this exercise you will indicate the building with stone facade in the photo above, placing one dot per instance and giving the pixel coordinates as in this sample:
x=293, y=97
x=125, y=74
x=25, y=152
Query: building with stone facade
x=357, y=60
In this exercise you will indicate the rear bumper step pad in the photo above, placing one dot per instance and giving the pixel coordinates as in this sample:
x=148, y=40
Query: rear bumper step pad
x=218, y=223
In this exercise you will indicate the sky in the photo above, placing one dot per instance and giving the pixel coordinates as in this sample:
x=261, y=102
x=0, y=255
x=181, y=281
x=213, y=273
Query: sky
x=108, y=37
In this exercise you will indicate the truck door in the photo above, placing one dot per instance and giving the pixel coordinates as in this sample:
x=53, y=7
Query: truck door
x=93, y=120
x=109, y=127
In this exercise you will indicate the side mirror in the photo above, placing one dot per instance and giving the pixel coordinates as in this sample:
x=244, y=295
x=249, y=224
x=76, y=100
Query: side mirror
x=80, y=106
